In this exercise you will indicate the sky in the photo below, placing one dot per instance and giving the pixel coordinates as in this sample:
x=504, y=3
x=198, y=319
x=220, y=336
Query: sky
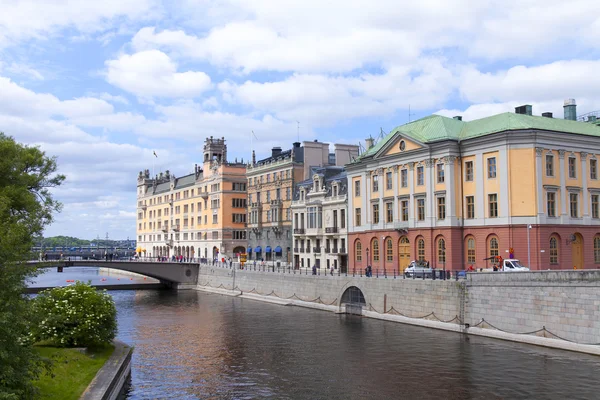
x=102, y=85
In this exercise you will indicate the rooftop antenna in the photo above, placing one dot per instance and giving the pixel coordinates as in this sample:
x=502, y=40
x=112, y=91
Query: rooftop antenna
x=298, y=122
x=251, y=145
x=409, y=113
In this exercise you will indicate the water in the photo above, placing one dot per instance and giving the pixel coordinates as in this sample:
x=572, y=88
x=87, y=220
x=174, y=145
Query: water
x=50, y=277
x=194, y=345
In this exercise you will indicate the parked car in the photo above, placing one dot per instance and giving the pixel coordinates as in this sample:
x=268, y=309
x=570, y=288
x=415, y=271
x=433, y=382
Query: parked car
x=512, y=265
x=418, y=269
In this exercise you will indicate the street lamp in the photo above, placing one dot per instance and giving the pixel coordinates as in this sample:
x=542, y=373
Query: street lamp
x=368, y=259
x=528, y=247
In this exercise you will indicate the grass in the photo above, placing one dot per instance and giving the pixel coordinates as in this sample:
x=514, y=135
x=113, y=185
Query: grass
x=72, y=371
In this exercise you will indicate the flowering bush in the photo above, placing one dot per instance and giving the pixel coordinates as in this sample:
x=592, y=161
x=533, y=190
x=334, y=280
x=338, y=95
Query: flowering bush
x=76, y=315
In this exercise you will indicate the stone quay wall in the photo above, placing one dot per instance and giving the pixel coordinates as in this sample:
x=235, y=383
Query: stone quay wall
x=537, y=307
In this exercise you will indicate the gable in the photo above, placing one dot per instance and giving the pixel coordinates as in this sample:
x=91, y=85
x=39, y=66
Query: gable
x=393, y=146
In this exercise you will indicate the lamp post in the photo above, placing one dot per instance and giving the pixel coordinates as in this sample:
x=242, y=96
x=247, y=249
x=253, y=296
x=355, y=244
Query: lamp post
x=528, y=248
x=368, y=258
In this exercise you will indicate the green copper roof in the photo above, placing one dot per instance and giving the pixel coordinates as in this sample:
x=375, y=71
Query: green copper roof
x=437, y=127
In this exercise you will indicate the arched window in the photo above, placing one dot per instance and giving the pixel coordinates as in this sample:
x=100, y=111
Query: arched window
x=597, y=249
x=375, y=246
x=441, y=251
x=470, y=250
x=553, y=250
x=421, y=249
x=389, y=244
x=358, y=251
x=494, y=247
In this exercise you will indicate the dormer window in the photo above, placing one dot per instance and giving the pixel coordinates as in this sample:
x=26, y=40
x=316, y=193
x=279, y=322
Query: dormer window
x=302, y=194
x=334, y=189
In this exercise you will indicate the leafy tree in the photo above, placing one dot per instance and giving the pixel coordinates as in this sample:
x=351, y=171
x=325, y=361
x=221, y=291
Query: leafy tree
x=26, y=207
x=76, y=315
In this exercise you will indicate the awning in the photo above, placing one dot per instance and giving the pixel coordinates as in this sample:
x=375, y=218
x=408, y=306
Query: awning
x=268, y=249
x=257, y=249
x=278, y=249
x=249, y=249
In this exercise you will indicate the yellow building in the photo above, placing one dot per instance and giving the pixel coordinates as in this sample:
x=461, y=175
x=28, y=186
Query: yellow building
x=200, y=215
x=456, y=193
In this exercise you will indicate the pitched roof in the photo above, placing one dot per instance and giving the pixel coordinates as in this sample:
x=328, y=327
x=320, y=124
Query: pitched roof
x=437, y=127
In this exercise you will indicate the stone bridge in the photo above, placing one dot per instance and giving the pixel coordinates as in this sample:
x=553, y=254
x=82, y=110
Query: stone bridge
x=175, y=275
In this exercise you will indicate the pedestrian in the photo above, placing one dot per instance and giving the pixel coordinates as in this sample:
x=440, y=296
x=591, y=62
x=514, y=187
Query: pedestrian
x=331, y=270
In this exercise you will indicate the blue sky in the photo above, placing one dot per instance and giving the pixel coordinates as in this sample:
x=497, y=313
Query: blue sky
x=101, y=85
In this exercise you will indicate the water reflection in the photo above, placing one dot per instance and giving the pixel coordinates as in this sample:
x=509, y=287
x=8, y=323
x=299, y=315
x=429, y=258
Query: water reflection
x=191, y=345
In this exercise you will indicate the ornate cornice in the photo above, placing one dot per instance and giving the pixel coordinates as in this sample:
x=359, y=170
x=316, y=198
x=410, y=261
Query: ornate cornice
x=583, y=155
x=539, y=151
x=561, y=153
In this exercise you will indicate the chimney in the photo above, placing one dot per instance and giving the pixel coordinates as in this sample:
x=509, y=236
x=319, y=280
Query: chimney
x=547, y=114
x=296, y=144
x=369, y=142
x=570, y=108
x=457, y=117
x=253, y=157
x=525, y=109
x=275, y=151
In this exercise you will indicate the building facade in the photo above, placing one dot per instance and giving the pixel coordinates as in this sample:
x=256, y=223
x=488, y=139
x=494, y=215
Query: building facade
x=200, y=215
x=456, y=193
x=271, y=183
x=319, y=220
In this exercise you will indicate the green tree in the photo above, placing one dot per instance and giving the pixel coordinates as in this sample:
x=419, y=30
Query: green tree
x=26, y=207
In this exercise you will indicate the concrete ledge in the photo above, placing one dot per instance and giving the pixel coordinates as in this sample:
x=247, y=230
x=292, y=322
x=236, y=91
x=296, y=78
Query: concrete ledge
x=110, y=380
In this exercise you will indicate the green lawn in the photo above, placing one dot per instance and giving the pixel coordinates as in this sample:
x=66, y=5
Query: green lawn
x=73, y=371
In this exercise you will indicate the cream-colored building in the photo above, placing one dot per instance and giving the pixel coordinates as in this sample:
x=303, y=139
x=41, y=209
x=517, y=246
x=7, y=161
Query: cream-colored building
x=200, y=215
x=320, y=220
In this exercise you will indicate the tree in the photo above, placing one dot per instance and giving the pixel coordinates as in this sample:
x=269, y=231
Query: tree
x=26, y=207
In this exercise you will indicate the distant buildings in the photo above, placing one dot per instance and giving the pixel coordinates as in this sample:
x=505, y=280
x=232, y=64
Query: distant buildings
x=200, y=215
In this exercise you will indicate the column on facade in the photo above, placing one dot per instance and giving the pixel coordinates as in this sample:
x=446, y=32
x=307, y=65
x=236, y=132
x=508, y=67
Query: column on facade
x=584, y=176
x=479, y=187
x=411, y=188
x=430, y=197
x=395, y=184
x=363, y=190
x=502, y=173
x=539, y=171
x=563, y=185
x=380, y=174
x=450, y=189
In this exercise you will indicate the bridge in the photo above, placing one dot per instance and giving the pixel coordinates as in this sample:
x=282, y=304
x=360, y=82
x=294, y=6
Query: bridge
x=173, y=274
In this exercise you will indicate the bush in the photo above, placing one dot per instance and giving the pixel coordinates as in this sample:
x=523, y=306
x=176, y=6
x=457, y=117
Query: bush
x=74, y=316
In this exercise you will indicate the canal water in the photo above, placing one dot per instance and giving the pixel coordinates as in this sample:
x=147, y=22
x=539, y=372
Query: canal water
x=195, y=345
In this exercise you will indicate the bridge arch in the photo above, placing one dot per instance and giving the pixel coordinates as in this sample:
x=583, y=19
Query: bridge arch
x=352, y=300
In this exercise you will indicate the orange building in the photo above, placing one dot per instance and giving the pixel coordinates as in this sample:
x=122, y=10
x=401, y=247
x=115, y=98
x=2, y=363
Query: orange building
x=200, y=215
x=456, y=193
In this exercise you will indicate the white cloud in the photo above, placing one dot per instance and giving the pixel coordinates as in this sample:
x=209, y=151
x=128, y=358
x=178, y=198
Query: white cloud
x=113, y=98
x=153, y=74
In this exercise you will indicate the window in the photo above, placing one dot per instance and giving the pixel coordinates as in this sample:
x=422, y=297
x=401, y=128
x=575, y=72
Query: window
x=388, y=180
x=375, y=183
x=574, y=207
x=287, y=193
x=404, y=178
x=549, y=165
x=441, y=206
x=389, y=250
x=595, y=206
x=315, y=217
x=375, y=246
x=572, y=168
x=357, y=217
x=421, y=209
x=441, y=251
x=356, y=188
x=553, y=250
x=491, y=166
x=493, y=205
x=551, y=204
x=440, y=173
x=470, y=250
x=343, y=218
x=469, y=171
x=470, y=200
x=404, y=209
x=215, y=219
x=389, y=212
x=597, y=249
x=358, y=251
x=593, y=168
x=494, y=247
x=375, y=213
x=268, y=195
x=420, y=177
x=421, y=250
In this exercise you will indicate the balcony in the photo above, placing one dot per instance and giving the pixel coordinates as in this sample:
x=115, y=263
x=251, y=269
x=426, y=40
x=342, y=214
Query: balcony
x=301, y=249
x=276, y=203
x=342, y=250
x=165, y=229
x=299, y=231
x=334, y=250
x=257, y=224
x=204, y=195
x=256, y=204
x=317, y=250
x=327, y=250
x=175, y=228
x=143, y=207
x=296, y=250
x=169, y=242
x=331, y=229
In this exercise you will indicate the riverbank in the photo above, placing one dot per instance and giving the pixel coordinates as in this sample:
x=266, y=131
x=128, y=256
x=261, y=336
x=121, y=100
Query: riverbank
x=72, y=371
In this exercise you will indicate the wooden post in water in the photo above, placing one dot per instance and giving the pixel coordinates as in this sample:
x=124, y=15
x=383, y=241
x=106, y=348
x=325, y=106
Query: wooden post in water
x=384, y=302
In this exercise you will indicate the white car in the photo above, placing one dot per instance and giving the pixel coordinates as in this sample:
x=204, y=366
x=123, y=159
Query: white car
x=513, y=265
x=418, y=269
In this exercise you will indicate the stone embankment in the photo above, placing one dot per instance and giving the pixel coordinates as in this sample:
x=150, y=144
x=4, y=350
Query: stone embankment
x=559, y=309
x=110, y=381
